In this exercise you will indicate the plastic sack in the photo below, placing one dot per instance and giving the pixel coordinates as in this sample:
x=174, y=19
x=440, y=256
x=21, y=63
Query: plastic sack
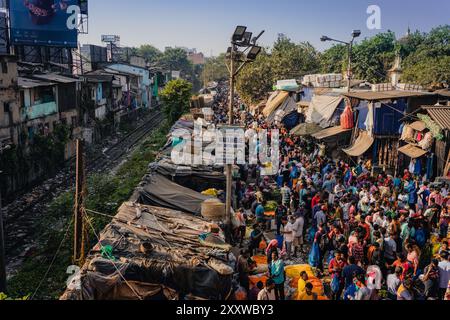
x=347, y=118
x=335, y=283
x=314, y=255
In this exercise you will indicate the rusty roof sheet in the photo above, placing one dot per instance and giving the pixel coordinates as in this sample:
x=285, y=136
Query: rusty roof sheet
x=440, y=115
x=386, y=95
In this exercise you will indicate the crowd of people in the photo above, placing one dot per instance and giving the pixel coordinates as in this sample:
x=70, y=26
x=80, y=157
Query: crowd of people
x=368, y=237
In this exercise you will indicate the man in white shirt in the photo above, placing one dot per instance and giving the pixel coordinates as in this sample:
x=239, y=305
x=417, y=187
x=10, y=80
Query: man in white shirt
x=444, y=274
x=268, y=293
x=393, y=283
x=298, y=227
x=289, y=236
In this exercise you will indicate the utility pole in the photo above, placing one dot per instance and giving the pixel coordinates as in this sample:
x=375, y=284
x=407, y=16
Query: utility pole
x=230, y=122
x=2, y=238
x=79, y=230
x=349, y=75
x=2, y=251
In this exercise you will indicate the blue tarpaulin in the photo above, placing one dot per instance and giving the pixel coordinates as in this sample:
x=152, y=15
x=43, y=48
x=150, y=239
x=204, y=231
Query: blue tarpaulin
x=291, y=120
x=388, y=117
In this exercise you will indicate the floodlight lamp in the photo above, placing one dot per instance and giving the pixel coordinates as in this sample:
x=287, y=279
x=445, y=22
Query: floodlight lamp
x=356, y=33
x=238, y=34
x=253, y=53
x=324, y=38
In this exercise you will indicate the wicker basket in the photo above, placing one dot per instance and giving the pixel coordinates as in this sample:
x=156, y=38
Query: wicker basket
x=213, y=209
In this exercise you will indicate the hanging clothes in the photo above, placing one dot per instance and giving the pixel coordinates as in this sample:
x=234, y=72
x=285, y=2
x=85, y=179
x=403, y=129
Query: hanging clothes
x=370, y=119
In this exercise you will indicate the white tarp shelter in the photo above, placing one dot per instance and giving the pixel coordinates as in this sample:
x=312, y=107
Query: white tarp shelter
x=322, y=108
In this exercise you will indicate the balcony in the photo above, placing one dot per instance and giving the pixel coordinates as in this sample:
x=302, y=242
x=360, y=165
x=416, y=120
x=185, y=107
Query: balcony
x=39, y=110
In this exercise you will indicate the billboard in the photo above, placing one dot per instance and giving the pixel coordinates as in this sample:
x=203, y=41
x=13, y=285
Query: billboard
x=44, y=22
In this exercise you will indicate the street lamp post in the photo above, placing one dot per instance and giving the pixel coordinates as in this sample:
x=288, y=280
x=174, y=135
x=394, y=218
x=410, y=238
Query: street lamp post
x=240, y=38
x=2, y=239
x=355, y=34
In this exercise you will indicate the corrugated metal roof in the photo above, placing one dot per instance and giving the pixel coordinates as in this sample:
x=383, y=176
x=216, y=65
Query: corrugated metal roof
x=55, y=78
x=386, y=95
x=440, y=115
x=27, y=83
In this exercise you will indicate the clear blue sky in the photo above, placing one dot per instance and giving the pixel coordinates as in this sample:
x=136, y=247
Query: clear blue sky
x=208, y=24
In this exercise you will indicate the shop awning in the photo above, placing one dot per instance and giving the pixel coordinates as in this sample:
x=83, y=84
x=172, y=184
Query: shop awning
x=274, y=102
x=412, y=151
x=330, y=132
x=361, y=145
x=306, y=129
x=418, y=126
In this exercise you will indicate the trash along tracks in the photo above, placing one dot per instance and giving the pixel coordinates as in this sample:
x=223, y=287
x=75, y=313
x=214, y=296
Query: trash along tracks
x=21, y=217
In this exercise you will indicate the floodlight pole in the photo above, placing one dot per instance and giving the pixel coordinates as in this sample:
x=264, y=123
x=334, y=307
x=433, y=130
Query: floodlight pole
x=2, y=252
x=2, y=240
x=229, y=167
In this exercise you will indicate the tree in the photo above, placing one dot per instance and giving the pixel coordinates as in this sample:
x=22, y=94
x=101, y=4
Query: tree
x=176, y=99
x=149, y=52
x=175, y=59
x=287, y=60
x=372, y=58
x=334, y=59
x=255, y=79
x=428, y=64
x=215, y=69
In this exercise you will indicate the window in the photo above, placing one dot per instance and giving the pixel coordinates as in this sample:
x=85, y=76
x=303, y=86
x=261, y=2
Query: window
x=4, y=67
x=6, y=107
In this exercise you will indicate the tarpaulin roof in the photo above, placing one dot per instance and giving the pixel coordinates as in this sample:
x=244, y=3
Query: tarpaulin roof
x=322, y=108
x=198, y=178
x=412, y=151
x=305, y=129
x=385, y=95
x=275, y=100
x=55, y=78
x=418, y=125
x=329, y=132
x=159, y=191
x=27, y=83
x=361, y=145
x=287, y=106
x=158, y=252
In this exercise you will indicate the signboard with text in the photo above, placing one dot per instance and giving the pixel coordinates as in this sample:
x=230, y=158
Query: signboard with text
x=44, y=22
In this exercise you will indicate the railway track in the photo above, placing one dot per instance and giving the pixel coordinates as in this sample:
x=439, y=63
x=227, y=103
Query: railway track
x=21, y=216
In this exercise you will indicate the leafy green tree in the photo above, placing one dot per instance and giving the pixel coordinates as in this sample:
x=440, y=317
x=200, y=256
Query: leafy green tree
x=176, y=99
x=287, y=60
x=256, y=79
x=175, y=59
x=429, y=64
x=372, y=58
x=149, y=52
x=333, y=60
x=215, y=69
